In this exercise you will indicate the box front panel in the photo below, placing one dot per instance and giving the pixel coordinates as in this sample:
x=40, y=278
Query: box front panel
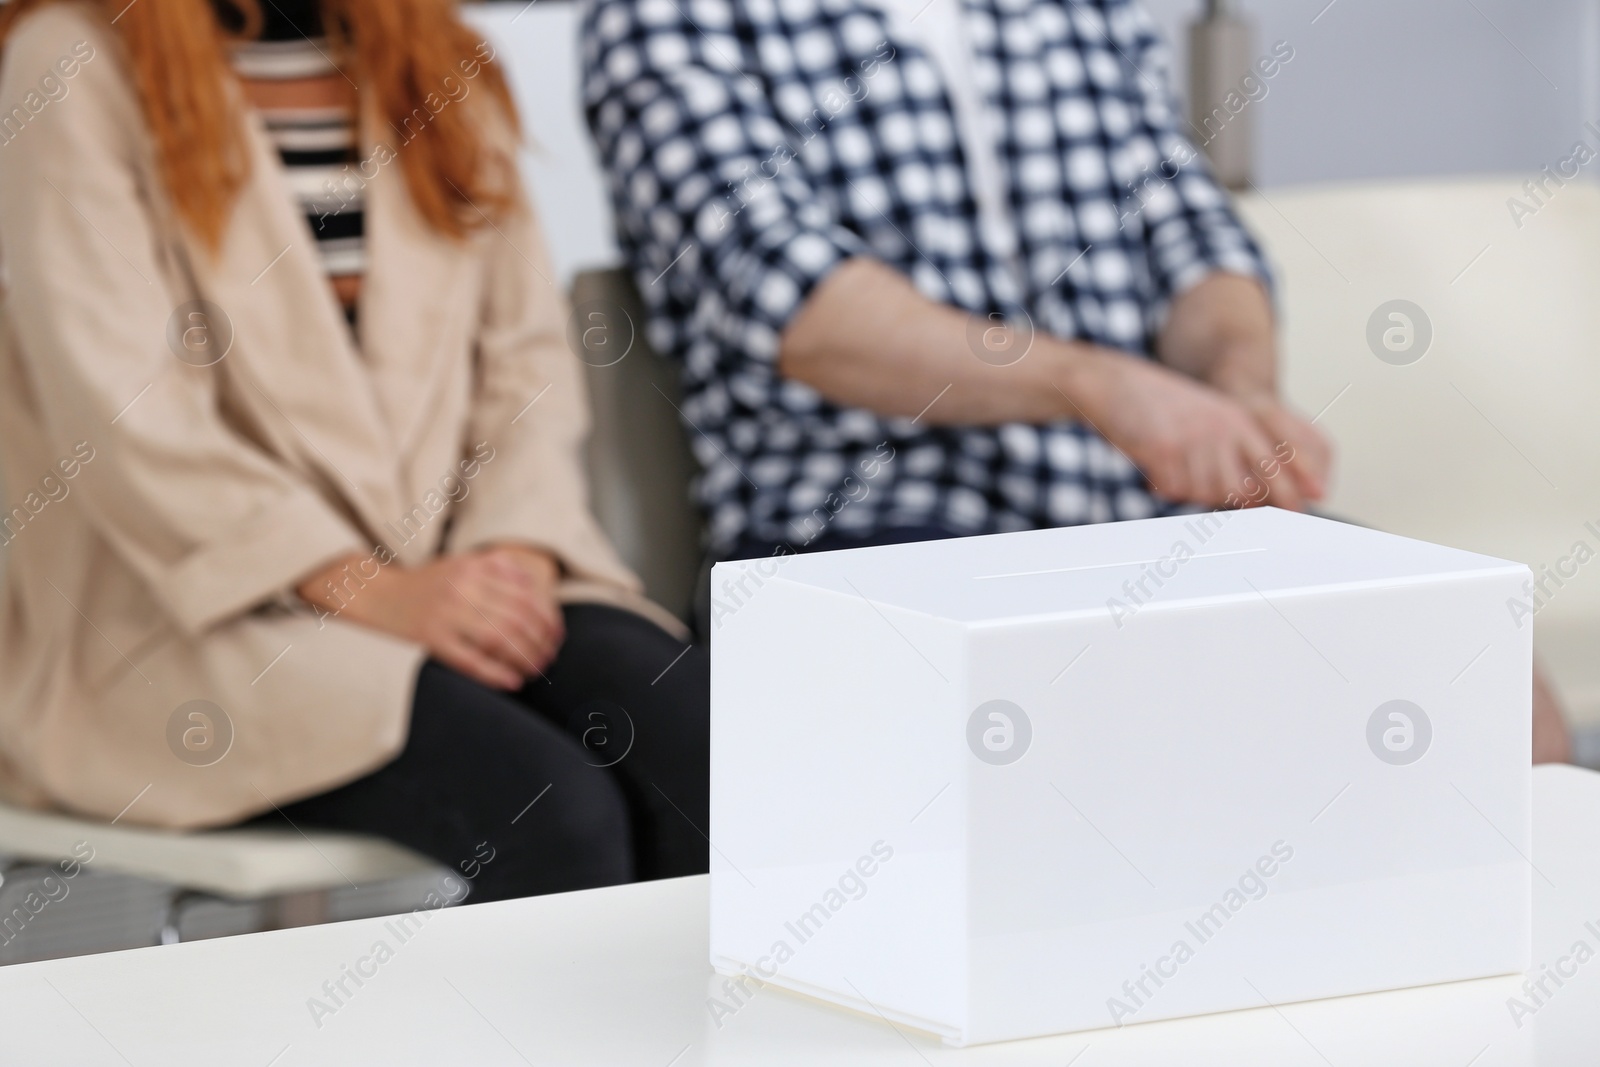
x=836, y=803
x=1252, y=801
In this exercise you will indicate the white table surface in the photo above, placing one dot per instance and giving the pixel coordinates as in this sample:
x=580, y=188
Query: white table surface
x=619, y=976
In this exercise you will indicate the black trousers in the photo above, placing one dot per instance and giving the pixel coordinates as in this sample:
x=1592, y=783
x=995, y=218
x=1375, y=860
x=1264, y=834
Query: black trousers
x=598, y=773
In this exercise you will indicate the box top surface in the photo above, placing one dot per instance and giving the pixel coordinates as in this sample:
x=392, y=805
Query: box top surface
x=1156, y=563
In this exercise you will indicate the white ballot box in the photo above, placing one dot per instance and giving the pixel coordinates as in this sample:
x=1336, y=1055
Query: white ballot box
x=1006, y=786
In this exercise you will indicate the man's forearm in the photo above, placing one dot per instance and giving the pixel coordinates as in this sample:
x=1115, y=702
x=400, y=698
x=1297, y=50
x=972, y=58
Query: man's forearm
x=1220, y=332
x=866, y=338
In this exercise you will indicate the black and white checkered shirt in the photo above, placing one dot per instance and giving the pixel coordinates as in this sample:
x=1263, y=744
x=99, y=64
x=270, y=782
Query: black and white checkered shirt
x=753, y=145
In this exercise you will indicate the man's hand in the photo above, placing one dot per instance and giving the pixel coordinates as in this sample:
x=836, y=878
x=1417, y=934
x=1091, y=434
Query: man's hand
x=492, y=614
x=1308, y=457
x=1194, y=444
x=1220, y=332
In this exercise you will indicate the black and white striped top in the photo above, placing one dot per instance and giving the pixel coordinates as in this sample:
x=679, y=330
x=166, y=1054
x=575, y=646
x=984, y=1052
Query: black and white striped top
x=318, y=145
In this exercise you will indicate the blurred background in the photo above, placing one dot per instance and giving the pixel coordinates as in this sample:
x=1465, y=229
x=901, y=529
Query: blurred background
x=1388, y=160
x=1377, y=89
x=1414, y=88
x=1433, y=159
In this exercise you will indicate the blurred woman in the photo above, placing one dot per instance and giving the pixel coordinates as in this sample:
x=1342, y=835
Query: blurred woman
x=297, y=523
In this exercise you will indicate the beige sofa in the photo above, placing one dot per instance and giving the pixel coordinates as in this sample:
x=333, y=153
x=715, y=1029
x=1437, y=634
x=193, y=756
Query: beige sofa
x=1490, y=440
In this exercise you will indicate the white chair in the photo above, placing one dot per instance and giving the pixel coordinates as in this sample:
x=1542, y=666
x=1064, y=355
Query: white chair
x=292, y=873
x=243, y=864
x=1491, y=440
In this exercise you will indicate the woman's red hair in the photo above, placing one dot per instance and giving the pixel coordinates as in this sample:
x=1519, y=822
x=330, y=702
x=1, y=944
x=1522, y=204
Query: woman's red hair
x=407, y=53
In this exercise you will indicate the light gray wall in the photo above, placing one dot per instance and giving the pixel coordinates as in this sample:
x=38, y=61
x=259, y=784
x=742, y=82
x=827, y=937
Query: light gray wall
x=1390, y=88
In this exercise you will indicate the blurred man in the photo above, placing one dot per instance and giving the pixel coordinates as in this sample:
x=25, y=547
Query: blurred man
x=940, y=267
x=936, y=268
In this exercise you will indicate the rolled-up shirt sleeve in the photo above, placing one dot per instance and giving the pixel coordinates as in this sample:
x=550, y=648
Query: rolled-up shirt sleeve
x=1190, y=228
x=708, y=195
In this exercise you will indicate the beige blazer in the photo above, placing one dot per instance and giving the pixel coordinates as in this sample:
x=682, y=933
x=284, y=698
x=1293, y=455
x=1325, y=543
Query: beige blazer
x=158, y=512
